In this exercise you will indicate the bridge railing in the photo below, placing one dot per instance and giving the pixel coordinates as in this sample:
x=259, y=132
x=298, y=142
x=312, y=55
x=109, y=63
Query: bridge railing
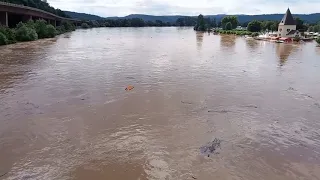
x=35, y=9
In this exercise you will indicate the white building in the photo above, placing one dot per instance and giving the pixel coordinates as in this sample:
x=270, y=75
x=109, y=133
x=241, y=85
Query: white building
x=287, y=27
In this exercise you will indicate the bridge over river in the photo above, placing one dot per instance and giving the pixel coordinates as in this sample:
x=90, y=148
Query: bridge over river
x=12, y=14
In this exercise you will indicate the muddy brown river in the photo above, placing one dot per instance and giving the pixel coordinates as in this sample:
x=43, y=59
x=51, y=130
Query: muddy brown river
x=65, y=114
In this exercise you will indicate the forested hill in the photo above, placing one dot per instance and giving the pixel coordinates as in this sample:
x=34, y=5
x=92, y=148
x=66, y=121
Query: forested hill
x=39, y=5
x=83, y=16
x=170, y=19
x=310, y=18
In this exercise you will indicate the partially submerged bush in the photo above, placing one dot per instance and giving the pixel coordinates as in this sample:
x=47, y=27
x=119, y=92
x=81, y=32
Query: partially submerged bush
x=51, y=31
x=41, y=28
x=61, y=30
x=3, y=39
x=85, y=26
x=24, y=33
x=68, y=26
x=32, y=30
x=318, y=40
x=9, y=33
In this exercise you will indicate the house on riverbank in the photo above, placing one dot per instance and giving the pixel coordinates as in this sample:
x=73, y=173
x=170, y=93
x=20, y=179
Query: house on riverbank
x=288, y=27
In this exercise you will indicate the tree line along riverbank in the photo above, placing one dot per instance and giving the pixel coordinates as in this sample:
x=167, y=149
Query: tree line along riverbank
x=231, y=25
x=32, y=30
x=39, y=29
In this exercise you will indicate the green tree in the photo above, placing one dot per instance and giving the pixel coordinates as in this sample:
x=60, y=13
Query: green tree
x=159, y=23
x=24, y=33
x=9, y=33
x=51, y=31
x=68, y=26
x=85, y=26
x=274, y=26
x=200, y=23
x=41, y=28
x=310, y=29
x=232, y=19
x=3, y=39
x=214, y=23
x=93, y=23
x=254, y=26
x=137, y=22
x=318, y=41
x=266, y=25
x=316, y=28
x=299, y=23
x=151, y=23
x=60, y=29
x=228, y=26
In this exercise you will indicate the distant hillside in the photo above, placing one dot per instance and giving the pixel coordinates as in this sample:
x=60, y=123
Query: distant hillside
x=171, y=19
x=310, y=18
x=82, y=16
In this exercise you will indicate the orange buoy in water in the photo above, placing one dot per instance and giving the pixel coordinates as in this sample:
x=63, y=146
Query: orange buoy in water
x=129, y=88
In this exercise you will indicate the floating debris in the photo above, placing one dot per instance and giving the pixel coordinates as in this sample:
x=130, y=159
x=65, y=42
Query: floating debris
x=307, y=95
x=211, y=147
x=193, y=177
x=251, y=106
x=219, y=111
x=129, y=77
x=291, y=89
x=185, y=102
x=129, y=88
x=1, y=175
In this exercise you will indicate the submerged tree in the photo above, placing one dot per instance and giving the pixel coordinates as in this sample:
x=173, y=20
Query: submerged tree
x=230, y=19
x=200, y=26
x=254, y=26
x=228, y=26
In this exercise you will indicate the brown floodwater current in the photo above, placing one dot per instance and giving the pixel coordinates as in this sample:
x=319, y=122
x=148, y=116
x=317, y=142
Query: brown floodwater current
x=65, y=114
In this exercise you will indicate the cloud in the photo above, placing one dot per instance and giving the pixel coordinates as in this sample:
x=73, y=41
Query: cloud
x=185, y=7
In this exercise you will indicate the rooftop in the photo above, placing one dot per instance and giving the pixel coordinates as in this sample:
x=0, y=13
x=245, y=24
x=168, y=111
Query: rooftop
x=288, y=19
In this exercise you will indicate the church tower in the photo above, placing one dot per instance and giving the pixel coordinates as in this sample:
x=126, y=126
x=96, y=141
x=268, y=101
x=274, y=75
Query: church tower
x=287, y=25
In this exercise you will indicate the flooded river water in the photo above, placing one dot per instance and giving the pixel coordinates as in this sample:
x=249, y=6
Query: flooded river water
x=65, y=114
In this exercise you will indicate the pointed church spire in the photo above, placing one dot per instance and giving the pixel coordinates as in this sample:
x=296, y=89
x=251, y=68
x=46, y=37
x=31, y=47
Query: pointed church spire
x=288, y=19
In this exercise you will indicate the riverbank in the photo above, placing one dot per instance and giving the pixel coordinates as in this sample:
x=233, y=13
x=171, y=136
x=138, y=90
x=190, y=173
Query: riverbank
x=32, y=30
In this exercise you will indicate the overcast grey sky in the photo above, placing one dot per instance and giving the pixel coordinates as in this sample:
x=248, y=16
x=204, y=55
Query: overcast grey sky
x=186, y=7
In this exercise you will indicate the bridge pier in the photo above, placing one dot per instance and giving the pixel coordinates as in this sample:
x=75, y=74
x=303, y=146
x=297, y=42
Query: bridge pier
x=52, y=22
x=4, y=19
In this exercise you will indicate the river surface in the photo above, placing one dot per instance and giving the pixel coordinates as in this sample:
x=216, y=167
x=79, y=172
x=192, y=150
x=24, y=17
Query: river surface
x=65, y=114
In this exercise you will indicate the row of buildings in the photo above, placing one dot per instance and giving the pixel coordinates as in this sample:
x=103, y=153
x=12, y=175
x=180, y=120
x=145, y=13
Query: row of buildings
x=287, y=30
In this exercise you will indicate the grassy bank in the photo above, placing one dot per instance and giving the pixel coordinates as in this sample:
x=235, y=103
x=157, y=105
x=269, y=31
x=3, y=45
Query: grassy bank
x=32, y=30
